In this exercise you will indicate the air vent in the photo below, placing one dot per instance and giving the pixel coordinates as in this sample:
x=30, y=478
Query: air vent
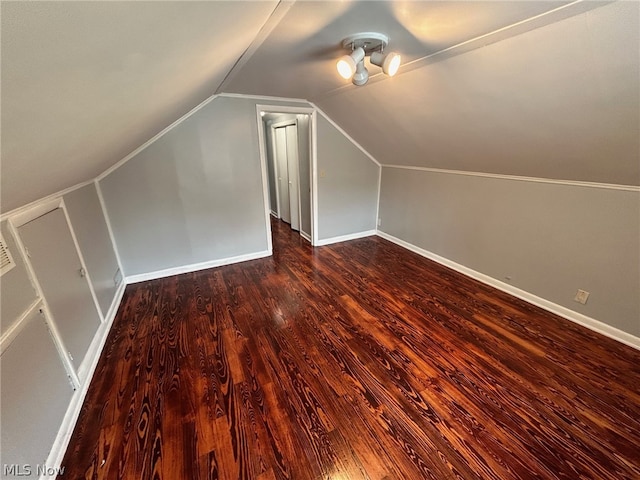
x=6, y=260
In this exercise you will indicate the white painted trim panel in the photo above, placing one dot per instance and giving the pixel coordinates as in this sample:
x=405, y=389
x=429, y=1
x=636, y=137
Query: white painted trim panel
x=266, y=98
x=588, y=322
x=143, y=277
x=345, y=238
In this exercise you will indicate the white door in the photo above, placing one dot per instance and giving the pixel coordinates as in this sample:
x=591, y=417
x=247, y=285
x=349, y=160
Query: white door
x=57, y=266
x=282, y=172
x=294, y=176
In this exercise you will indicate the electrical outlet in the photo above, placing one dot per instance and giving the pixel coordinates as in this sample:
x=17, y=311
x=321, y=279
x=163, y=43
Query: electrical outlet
x=117, y=278
x=379, y=221
x=581, y=297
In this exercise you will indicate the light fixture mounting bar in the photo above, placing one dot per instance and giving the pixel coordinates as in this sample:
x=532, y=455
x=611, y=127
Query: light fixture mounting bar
x=368, y=41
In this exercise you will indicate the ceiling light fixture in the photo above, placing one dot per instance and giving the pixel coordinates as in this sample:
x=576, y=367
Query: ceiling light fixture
x=362, y=44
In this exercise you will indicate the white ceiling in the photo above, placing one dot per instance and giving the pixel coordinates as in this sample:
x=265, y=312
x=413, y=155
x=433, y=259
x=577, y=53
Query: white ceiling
x=544, y=89
x=85, y=83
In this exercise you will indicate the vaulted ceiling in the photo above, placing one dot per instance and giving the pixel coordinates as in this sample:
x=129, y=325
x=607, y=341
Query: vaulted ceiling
x=534, y=88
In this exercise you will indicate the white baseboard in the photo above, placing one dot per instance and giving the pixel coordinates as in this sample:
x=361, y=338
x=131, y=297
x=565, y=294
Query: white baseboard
x=143, y=277
x=85, y=373
x=90, y=362
x=579, y=318
x=274, y=214
x=344, y=238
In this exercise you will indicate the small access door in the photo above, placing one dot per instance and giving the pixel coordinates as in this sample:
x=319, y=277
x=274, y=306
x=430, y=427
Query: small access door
x=54, y=258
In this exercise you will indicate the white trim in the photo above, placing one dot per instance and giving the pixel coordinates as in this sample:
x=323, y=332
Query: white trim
x=274, y=214
x=16, y=327
x=37, y=203
x=194, y=267
x=306, y=236
x=265, y=179
x=105, y=213
x=277, y=14
x=90, y=360
x=588, y=322
x=311, y=111
x=266, y=98
x=82, y=262
x=573, y=183
x=281, y=108
x=37, y=211
x=121, y=162
x=314, y=178
x=61, y=442
x=379, y=193
x=274, y=160
x=344, y=238
x=283, y=123
x=339, y=128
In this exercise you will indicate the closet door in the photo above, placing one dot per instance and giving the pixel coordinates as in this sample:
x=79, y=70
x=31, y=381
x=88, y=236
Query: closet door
x=54, y=258
x=283, y=173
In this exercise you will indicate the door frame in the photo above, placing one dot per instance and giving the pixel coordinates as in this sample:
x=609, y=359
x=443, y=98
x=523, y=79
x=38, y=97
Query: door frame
x=14, y=223
x=312, y=112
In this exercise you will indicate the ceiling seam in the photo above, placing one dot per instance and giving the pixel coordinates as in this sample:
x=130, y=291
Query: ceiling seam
x=278, y=13
x=519, y=178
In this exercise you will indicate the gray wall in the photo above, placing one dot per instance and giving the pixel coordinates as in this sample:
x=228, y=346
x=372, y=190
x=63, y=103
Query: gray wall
x=34, y=394
x=92, y=234
x=551, y=239
x=194, y=195
x=16, y=291
x=347, y=185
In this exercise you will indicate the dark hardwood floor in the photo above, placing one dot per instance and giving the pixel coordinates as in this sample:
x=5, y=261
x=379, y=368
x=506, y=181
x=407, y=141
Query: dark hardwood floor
x=353, y=361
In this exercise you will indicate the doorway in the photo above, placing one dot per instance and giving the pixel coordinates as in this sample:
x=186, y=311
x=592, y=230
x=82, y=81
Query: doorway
x=287, y=145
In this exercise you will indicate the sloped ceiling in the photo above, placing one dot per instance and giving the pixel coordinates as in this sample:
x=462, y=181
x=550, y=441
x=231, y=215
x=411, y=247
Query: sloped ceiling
x=558, y=102
x=543, y=89
x=85, y=83
x=548, y=90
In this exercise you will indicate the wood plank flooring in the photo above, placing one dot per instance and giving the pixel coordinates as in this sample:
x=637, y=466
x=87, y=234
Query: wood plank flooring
x=359, y=360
